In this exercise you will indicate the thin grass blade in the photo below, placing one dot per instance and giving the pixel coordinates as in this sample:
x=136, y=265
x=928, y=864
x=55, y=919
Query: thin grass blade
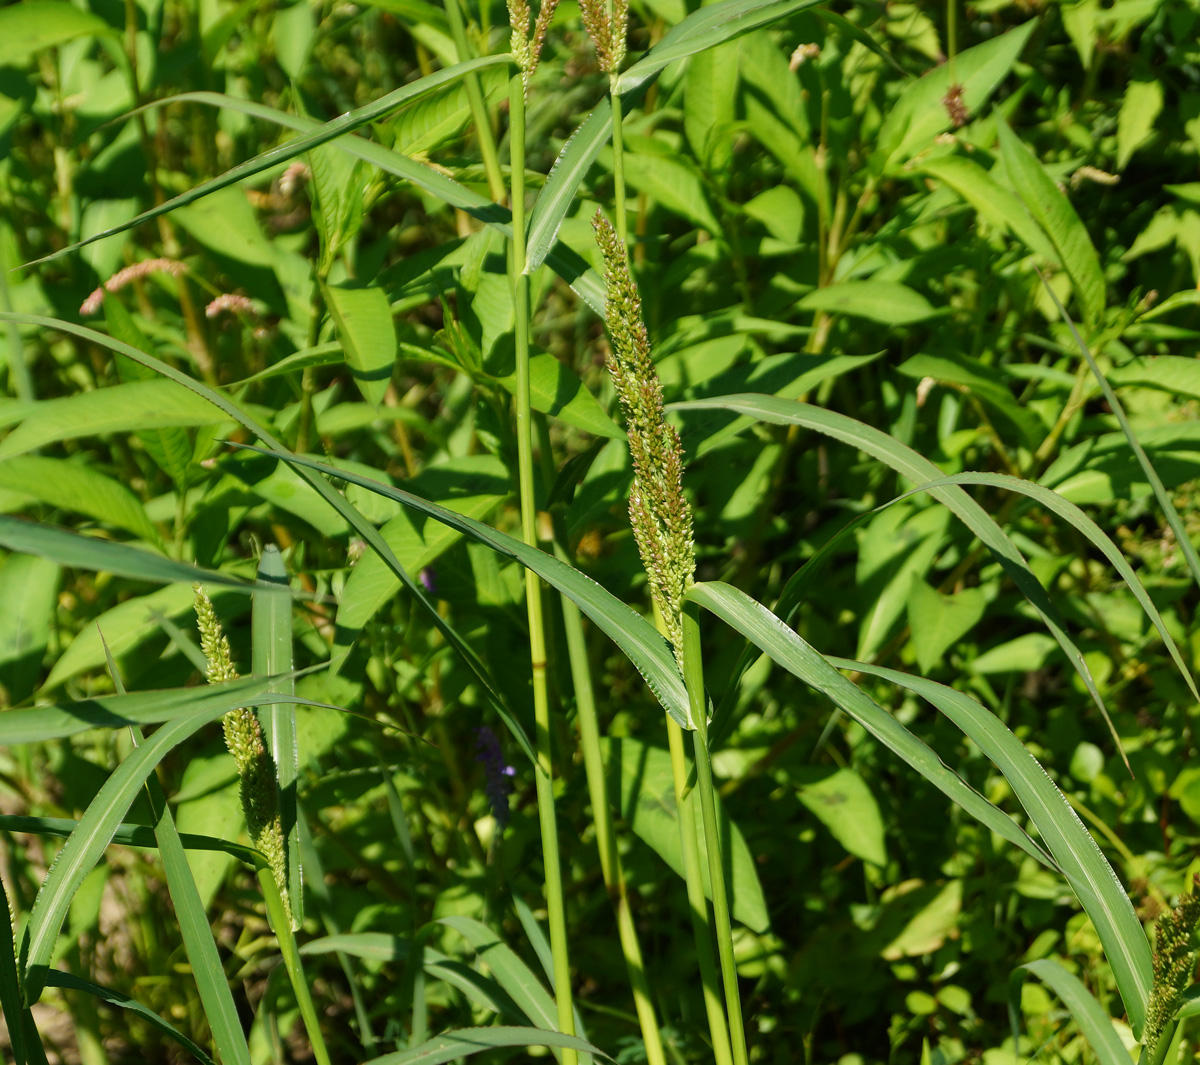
x=1094, y=1023
x=10, y=984
x=464, y=1042
x=57, y=978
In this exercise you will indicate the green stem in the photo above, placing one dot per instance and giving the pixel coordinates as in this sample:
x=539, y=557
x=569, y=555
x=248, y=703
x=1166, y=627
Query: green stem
x=483, y=124
x=693, y=675
x=280, y=921
x=697, y=903
x=618, y=142
x=555, y=906
x=593, y=763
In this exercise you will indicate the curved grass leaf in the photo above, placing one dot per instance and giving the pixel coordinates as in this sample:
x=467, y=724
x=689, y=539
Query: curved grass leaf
x=706, y=28
x=363, y=527
x=918, y=469
x=1080, y=859
x=755, y=622
x=569, y=170
x=85, y=845
x=41, y=723
x=1160, y=492
x=57, y=978
x=88, y=552
x=317, y=134
x=463, y=1042
x=637, y=638
x=127, y=835
x=1094, y=1023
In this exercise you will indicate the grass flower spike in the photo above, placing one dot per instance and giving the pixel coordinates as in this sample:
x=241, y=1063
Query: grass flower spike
x=608, y=27
x=527, y=49
x=244, y=738
x=1174, y=964
x=661, y=516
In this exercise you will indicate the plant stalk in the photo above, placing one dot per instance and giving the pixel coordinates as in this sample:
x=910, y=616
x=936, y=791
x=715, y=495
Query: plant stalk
x=483, y=124
x=555, y=906
x=693, y=675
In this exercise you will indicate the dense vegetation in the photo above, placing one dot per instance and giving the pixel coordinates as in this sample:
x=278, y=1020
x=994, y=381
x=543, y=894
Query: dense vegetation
x=875, y=246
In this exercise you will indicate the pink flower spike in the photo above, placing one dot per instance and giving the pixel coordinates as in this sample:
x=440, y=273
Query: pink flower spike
x=229, y=301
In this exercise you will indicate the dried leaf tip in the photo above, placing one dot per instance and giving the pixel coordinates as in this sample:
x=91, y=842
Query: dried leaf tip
x=660, y=514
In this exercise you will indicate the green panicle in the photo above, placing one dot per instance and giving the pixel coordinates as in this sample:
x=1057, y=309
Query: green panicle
x=1174, y=963
x=244, y=738
x=660, y=514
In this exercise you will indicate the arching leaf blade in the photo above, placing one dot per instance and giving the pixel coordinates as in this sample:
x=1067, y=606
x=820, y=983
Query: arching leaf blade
x=1094, y=1023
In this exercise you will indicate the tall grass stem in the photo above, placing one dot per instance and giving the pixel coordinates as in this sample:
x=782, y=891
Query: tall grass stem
x=693, y=675
x=479, y=113
x=555, y=906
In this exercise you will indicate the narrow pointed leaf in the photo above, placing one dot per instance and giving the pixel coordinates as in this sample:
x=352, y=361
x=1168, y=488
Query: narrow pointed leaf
x=636, y=637
x=128, y=835
x=1094, y=1023
x=568, y=172
x=464, y=1042
x=10, y=984
x=57, y=978
x=762, y=628
x=918, y=469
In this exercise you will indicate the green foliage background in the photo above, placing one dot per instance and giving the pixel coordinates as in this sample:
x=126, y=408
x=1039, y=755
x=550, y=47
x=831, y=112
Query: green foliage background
x=825, y=232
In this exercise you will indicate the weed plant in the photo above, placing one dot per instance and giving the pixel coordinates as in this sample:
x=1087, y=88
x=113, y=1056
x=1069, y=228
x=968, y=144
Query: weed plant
x=688, y=520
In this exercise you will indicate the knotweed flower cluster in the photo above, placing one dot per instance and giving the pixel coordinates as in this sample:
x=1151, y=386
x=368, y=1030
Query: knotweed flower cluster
x=607, y=23
x=660, y=515
x=244, y=738
x=1174, y=963
x=526, y=49
x=121, y=278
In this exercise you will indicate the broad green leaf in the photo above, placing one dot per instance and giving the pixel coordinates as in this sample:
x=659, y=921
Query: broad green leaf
x=85, y=845
x=473, y=486
x=762, y=628
x=29, y=592
x=1140, y=108
x=73, y=486
x=918, y=469
x=994, y=203
x=26, y=28
x=463, y=1042
x=1022, y=654
x=938, y=621
x=293, y=31
x=364, y=528
x=673, y=181
x=208, y=799
x=841, y=800
x=703, y=29
x=315, y=134
x=710, y=95
x=555, y=389
x=647, y=796
x=56, y=978
x=1094, y=1023
x=363, y=319
x=123, y=408
x=1054, y=213
x=1176, y=374
x=919, y=115
x=632, y=633
x=563, y=181
x=271, y=635
x=879, y=301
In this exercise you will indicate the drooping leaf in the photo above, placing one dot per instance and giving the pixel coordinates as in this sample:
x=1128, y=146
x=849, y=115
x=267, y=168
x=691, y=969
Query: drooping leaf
x=1094, y=1023
x=363, y=318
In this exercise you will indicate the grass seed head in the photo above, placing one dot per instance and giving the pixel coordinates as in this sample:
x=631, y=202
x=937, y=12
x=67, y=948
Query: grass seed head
x=1174, y=963
x=660, y=514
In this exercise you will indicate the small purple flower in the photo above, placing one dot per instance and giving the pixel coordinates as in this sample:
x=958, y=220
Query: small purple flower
x=499, y=774
x=429, y=580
